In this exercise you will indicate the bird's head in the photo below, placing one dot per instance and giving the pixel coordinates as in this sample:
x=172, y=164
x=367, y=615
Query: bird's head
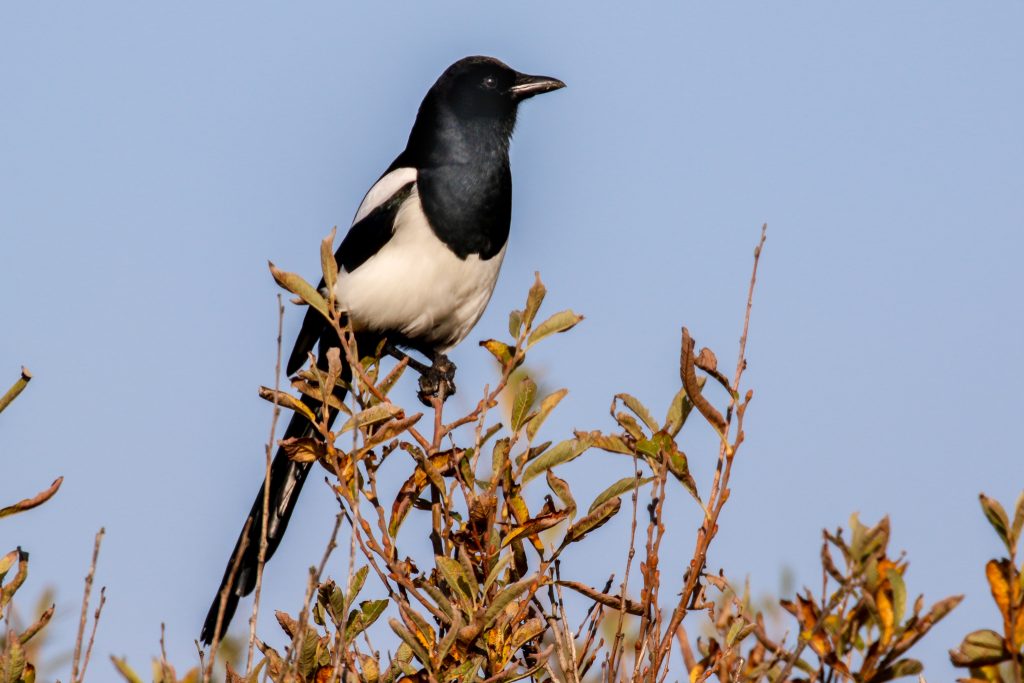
x=474, y=96
x=486, y=87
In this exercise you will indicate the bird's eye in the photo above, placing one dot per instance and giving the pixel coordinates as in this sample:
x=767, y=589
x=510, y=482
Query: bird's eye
x=490, y=82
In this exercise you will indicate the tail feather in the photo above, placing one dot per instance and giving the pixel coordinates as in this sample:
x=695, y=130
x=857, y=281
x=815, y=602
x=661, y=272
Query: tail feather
x=286, y=480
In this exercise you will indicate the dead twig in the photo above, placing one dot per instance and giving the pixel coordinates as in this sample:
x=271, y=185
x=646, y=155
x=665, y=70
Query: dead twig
x=76, y=675
x=95, y=624
x=262, y=557
x=236, y=561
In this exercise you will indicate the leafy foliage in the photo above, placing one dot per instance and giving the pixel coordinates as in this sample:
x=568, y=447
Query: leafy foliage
x=991, y=654
x=15, y=643
x=488, y=602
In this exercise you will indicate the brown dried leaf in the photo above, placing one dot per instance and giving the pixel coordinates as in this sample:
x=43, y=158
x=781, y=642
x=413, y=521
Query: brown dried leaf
x=534, y=526
x=34, y=501
x=303, y=449
x=693, y=390
x=592, y=521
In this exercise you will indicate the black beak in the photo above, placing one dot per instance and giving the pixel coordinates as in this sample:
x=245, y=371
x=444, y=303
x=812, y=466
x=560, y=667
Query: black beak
x=527, y=86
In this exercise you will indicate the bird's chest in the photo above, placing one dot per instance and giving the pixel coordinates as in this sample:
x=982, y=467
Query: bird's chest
x=417, y=285
x=469, y=205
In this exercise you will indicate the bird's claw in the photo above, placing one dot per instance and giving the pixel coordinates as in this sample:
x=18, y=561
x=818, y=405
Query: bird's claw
x=438, y=380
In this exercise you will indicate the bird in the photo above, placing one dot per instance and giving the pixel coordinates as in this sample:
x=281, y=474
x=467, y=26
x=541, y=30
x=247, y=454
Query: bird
x=416, y=270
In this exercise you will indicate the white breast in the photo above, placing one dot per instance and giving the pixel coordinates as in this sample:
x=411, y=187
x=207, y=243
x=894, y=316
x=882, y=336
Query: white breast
x=415, y=285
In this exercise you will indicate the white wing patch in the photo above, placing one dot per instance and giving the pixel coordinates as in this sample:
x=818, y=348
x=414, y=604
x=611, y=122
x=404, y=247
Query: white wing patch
x=416, y=285
x=382, y=190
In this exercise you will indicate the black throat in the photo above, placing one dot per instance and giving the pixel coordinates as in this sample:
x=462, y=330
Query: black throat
x=463, y=177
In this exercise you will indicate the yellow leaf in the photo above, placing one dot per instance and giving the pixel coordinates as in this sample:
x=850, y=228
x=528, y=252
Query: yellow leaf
x=885, y=613
x=998, y=574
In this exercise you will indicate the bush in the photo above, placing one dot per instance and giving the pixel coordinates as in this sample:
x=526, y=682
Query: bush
x=488, y=602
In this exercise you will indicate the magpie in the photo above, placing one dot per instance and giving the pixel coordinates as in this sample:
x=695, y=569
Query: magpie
x=415, y=270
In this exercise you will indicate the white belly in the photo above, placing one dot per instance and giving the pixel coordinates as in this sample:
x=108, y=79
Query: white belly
x=416, y=286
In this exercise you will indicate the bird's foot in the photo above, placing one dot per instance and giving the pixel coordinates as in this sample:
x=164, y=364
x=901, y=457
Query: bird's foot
x=438, y=380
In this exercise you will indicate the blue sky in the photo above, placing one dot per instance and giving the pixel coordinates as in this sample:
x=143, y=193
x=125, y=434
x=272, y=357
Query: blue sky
x=153, y=157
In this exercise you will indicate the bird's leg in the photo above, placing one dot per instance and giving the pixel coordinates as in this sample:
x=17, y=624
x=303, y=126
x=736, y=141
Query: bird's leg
x=439, y=379
x=398, y=354
x=441, y=372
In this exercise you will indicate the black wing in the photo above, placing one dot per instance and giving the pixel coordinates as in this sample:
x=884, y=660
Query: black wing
x=364, y=239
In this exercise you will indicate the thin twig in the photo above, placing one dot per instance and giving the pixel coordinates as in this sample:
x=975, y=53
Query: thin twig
x=92, y=635
x=314, y=579
x=165, y=666
x=76, y=677
x=720, y=486
x=236, y=561
x=262, y=557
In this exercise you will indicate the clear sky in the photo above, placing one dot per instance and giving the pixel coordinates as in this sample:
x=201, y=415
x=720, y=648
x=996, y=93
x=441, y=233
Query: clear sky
x=153, y=156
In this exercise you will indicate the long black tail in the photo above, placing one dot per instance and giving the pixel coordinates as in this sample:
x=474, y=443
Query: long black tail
x=286, y=480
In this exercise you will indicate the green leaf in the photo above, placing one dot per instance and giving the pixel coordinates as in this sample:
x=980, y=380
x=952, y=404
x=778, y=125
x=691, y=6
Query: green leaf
x=465, y=672
x=495, y=572
x=1018, y=519
x=980, y=648
x=563, y=321
x=592, y=521
x=369, y=612
x=286, y=400
x=515, y=323
x=305, y=291
x=640, y=410
x=328, y=264
x=411, y=641
x=442, y=649
x=623, y=485
x=546, y=406
x=899, y=595
x=899, y=669
x=455, y=575
x=996, y=516
x=560, y=453
x=631, y=426
x=12, y=660
x=533, y=300
x=680, y=469
x=526, y=392
x=680, y=408
x=358, y=579
x=502, y=600
x=372, y=415
x=564, y=493
x=531, y=453
x=608, y=442
x=499, y=456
